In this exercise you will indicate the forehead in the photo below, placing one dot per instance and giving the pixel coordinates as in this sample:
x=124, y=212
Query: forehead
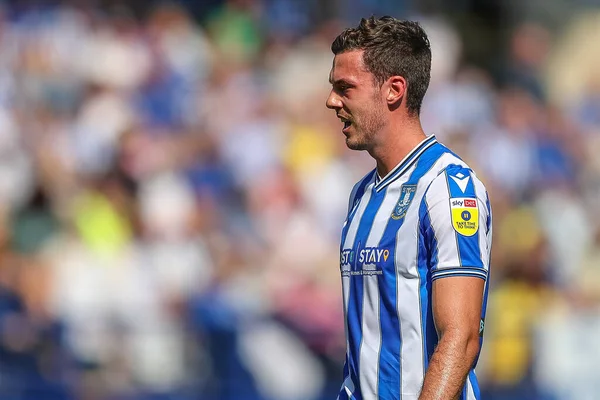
x=349, y=66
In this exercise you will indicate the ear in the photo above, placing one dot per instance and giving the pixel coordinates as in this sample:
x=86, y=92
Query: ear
x=396, y=89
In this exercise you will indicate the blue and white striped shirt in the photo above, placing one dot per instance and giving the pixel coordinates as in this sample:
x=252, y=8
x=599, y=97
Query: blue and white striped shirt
x=429, y=218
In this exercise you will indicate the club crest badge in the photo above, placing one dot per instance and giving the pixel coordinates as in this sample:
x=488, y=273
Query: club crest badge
x=407, y=192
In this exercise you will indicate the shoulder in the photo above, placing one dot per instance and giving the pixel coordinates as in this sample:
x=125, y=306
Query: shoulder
x=460, y=180
x=456, y=188
x=454, y=172
x=454, y=179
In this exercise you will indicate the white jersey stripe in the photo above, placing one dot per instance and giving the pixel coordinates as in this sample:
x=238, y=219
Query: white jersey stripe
x=371, y=339
x=470, y=392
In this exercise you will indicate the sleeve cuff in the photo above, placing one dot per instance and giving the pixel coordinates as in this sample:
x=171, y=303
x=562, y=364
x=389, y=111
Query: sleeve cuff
x=459, y=271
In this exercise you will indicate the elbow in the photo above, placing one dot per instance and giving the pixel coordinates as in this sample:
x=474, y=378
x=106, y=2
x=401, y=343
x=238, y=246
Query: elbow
x=472, y=345
x=466, y=342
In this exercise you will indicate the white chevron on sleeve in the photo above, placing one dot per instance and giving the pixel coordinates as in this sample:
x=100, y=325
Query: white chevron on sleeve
x=462, y=183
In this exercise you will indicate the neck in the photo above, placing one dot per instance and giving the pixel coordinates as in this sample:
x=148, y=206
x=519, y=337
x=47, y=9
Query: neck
x=397, y=140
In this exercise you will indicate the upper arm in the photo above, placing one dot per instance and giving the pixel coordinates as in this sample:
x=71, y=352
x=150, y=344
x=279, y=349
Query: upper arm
x=457, y=232
x=456, y=304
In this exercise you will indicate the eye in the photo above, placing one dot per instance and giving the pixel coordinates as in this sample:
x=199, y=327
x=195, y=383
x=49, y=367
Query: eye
x=344, y=88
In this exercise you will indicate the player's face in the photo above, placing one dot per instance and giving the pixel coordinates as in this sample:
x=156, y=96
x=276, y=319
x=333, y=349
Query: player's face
x=356, y=98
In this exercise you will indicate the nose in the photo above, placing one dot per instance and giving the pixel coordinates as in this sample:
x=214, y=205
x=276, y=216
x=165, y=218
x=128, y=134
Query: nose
x=333, y=101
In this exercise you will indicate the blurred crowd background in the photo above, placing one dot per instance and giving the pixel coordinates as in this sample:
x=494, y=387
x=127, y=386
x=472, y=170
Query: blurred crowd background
x=172, y=190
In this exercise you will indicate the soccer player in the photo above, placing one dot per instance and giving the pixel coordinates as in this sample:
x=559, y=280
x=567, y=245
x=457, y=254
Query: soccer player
x=415, y=246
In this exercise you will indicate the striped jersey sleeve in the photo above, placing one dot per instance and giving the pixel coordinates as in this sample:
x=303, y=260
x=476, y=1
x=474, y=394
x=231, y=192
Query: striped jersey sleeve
x=456, y=224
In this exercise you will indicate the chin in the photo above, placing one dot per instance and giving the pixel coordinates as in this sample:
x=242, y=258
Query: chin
x=354, y=145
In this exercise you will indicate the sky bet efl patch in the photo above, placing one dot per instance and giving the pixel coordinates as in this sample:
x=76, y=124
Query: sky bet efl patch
x=465, y=215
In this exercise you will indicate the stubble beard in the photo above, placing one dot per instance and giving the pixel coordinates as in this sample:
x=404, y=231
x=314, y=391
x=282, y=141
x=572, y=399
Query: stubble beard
x=365, y=130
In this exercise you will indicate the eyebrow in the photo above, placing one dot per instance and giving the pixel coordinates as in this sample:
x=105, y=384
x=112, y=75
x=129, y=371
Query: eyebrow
x=340, y=82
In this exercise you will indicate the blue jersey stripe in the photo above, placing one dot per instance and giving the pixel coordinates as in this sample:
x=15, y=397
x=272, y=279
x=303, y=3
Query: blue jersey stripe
x=391, y=343
x=343, y=395
x=425, y=265
x=356, y=300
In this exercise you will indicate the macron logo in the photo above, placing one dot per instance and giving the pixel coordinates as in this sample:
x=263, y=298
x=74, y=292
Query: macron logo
x=461, y=180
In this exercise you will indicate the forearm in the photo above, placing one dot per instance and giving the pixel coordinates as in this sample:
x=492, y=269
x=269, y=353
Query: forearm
x=449, y=366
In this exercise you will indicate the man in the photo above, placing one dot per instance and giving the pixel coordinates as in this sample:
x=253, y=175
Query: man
x=416, y=243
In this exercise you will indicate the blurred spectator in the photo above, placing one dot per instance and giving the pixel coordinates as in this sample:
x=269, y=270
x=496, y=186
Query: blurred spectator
x=235, y=31
x=528, y=49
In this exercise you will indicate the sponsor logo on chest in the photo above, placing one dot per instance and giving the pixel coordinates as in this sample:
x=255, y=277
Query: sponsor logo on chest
x=365, y=261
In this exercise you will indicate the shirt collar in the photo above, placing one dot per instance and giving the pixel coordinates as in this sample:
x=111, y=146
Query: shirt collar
x=405, y=164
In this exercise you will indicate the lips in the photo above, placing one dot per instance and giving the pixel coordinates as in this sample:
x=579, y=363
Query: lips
x=347, y=123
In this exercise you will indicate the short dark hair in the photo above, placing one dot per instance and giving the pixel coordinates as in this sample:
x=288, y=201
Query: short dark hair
x=392, y=47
